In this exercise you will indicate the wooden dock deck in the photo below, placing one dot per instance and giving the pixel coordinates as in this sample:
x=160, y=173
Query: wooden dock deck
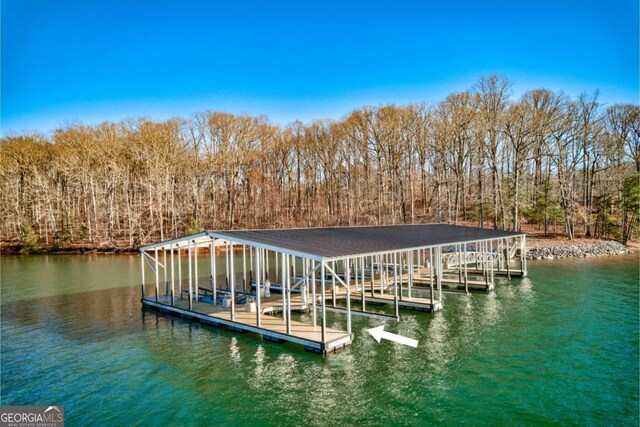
x=404, y=302
x=272, y=328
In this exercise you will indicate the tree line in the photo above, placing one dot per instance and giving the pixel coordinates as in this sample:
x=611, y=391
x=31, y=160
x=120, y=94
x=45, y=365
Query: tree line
x=480, y=157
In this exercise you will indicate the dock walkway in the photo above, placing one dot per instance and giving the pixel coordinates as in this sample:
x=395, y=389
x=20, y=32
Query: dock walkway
x=272, y=328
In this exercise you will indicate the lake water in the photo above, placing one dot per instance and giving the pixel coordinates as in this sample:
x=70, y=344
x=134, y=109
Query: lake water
x=559, y=347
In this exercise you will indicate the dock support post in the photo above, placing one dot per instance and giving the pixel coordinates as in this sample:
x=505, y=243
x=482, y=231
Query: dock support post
x=142, y=272
x=459, y=256
x=244, y=268
x=395, y=285
x=362, y=292
x=485, y=263
x=232, y=283
x=283, y=285
x=347, y=276
x=431, y=279
x=164, y=263
x=523, y=258
x=439, y=251
x=190, y=278
x=507, y=258
x=196, y=287
x=156, y=272
x=291, y=260
x=410, y=272
x=333, y=282
x=214, y=272
x=258, y=281
x=466, y=276
x=179, y=272
x=383, y=272
x=398, y=266
x=212, y=269
x=173, y=279
x=324, y=313
x=313, y=292
x=491, y=262
x=373, y=276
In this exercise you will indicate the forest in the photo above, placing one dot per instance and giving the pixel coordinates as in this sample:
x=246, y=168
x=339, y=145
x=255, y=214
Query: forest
x=479, y=157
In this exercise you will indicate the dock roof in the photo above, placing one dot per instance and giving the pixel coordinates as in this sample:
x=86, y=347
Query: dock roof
x=338, y=242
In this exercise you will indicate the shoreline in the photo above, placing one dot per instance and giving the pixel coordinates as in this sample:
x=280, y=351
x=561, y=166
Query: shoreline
x=580, y=250
x=540, y=249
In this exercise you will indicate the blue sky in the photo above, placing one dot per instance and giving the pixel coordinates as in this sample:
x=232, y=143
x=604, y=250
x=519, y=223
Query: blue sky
x=83, y=62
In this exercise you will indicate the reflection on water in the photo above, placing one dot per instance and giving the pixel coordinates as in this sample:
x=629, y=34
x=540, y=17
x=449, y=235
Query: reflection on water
x=558, y=347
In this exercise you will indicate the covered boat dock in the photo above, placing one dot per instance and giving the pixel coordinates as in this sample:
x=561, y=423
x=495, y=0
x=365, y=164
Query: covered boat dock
x=253, y=280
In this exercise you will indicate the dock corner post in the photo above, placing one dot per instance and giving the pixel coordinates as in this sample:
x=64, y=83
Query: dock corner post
x=258, y=290
x=189, y=253
x=323, y=303
x=142, y=271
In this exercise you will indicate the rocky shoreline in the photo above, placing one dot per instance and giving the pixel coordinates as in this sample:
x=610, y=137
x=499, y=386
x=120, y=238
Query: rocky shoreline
x=579, y=251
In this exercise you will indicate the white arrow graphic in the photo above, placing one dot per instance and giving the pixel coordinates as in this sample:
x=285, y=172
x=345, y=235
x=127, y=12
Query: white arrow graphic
x=378, y=333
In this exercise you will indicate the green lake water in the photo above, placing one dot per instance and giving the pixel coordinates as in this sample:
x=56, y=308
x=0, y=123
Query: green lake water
x=559, y=347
